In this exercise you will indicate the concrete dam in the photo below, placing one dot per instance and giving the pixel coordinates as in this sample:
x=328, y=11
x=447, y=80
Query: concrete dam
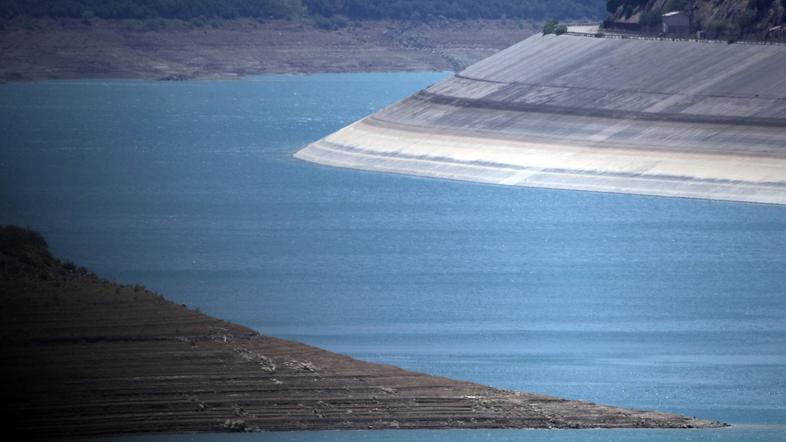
x=652, y=117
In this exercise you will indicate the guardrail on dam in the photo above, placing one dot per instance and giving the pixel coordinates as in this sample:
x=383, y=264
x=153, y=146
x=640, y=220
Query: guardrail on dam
x=653, y=117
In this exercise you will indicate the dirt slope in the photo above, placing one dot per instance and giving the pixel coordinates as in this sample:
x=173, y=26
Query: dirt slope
x=84, y=356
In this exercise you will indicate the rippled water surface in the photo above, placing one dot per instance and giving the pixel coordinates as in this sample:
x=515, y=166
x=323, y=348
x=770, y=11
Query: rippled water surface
x=190, y=188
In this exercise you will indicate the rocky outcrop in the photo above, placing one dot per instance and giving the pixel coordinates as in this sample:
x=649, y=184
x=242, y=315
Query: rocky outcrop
x=730, y=19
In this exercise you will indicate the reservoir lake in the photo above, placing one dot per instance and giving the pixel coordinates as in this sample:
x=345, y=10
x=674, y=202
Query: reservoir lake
x=190, y=188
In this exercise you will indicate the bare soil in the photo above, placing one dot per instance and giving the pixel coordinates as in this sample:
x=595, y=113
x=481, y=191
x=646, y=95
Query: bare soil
x=83, y=356
x=69, y=49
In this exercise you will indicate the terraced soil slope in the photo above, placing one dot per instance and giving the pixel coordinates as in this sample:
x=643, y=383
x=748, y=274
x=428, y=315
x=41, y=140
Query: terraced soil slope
x=670, y=118
x=84, y=356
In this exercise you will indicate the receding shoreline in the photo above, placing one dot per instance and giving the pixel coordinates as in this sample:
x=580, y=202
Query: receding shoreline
x=87, y=357
x=128, y=49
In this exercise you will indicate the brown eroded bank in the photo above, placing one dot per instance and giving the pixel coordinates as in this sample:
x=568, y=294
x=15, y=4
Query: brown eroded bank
x=84, y=356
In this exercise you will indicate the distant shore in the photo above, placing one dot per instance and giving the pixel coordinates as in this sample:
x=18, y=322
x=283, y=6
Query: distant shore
x=176, y=50
x=86, y=357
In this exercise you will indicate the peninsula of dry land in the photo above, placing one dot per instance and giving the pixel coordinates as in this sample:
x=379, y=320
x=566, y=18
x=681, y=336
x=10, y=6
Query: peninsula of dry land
x=83, y=356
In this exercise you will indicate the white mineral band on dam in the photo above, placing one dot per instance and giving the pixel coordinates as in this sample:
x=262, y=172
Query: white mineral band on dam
x=653, y=117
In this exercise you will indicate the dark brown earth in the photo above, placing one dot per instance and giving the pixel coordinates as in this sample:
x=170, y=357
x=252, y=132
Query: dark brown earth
x=83, y=356
x=70, y=49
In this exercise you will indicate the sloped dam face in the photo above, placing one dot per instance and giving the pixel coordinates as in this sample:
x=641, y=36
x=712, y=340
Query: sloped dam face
x=670, y=118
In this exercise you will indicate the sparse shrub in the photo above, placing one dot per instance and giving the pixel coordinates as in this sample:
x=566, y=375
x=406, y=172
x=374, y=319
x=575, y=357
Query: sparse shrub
x=87, y=17
x=70, y=266
x=328, y=23
x=198, y=22
x=676, y=5
x=154, y=25
x=716, y=28
x=627, y=10
x=339, y=22
x=27, y=23
x=746, y=21
x=650, y=20
x=553, y=27
x=548, y=27
x=760, y=6
x=136, y=26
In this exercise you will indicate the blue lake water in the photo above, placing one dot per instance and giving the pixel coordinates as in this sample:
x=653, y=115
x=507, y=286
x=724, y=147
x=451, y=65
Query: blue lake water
x=190, y=188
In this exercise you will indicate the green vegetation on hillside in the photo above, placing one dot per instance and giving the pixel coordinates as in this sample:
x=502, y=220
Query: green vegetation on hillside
x=352, y=9
x=731, y=19
x=554, y=27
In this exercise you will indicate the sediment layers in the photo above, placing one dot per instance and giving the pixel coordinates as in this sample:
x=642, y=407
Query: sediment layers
x=669, y=118
x=68, y=49
x=83, y=356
